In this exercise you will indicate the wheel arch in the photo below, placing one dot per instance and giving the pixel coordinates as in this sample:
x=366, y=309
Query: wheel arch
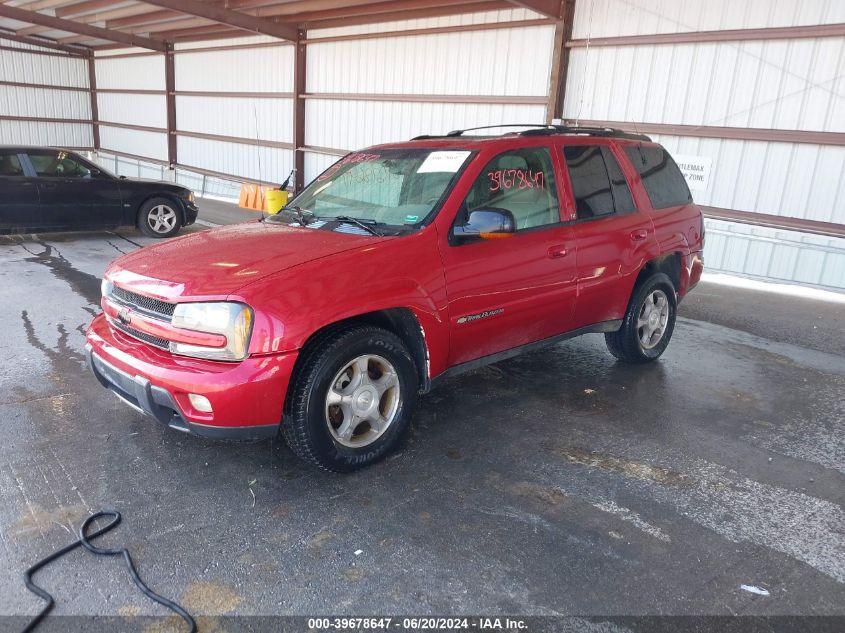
x=402, y=322
x=670, y=265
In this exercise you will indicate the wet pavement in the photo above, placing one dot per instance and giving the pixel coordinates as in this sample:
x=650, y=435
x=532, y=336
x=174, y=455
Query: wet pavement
x=559, y=482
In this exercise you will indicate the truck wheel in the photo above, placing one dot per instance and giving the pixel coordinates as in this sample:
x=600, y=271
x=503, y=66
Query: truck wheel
x=648, y=323
x=159, y=217
x=352, y=399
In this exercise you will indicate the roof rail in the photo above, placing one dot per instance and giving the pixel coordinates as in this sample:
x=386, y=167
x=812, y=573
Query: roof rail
x=539, y=129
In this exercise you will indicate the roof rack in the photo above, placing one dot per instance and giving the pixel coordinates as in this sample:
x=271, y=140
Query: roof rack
x=535, y=129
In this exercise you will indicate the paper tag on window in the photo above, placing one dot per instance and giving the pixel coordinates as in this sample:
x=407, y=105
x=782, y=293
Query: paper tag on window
x=448, y=162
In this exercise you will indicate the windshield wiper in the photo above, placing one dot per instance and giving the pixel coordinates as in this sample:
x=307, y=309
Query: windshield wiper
x=366, y=225
x=302, y=216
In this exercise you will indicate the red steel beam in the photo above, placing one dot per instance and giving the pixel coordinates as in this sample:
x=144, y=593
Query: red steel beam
x=730, y=35
x=84, y=7
x=560, y=61
x=828, y=229
x=92, y=92
x=51, y=44
x=170, y=87
x=31, y=17
x=730, y=133
x=412, y=14
x=371, y=9
x=549, y=8
x=143, y=18
x=228, y=17
x=20, y=84
x=300, y=86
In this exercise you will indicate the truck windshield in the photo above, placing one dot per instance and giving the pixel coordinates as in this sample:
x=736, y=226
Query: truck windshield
x=391, y=187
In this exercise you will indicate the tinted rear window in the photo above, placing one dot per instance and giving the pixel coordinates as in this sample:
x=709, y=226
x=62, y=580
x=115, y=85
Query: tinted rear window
x=662, y=179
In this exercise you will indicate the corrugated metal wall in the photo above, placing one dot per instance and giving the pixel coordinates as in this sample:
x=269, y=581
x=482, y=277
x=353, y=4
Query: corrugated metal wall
x=507, y=62
x=144, y=73
x=265, y=116
x=790, y=84
x=24, y=65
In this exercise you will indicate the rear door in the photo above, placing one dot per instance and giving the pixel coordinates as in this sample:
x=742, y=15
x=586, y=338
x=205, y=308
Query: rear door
x=19, y=208
x=74, y=193
x=505, y=293
x=614, y=238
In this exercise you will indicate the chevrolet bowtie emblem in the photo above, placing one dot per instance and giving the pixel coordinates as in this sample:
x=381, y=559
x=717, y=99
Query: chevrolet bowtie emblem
x=124, y=316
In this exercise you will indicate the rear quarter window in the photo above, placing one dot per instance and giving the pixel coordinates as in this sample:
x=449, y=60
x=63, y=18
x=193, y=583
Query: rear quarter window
x=663, y=181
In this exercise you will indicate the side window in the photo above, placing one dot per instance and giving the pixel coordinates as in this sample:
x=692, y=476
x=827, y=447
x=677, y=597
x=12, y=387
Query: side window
x=57, y=165
x=663, y=181
x=521, y=181
x=622, y=200
x=10, y=165
x=598, y=184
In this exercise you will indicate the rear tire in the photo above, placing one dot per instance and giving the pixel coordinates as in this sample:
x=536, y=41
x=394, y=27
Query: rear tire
x=352, y=399
x=159, y=218
x=648, y=324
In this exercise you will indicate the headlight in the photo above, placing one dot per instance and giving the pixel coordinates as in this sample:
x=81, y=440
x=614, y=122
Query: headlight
x=189, y=196
x=106, y=287
x=232, y=320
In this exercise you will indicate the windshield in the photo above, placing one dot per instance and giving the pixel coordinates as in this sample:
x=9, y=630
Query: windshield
x=393, y=187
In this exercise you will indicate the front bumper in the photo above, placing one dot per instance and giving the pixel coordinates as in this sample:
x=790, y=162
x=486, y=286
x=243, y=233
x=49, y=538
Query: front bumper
x=247, y=397
x=191, y=212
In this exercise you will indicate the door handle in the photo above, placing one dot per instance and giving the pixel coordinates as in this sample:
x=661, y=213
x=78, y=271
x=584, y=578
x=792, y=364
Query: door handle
x=639, y=235
x=557, y=251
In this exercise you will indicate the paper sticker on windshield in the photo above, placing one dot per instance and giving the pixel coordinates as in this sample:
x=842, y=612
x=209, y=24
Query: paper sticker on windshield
x=443, y=162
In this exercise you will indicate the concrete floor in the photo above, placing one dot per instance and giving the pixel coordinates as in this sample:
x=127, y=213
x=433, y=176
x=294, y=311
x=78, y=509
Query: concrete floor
x=559, y=482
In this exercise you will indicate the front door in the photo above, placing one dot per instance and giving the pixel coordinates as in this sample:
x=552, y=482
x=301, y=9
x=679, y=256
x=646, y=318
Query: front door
x=74, y=193
x=19, y=211
x=504, y=293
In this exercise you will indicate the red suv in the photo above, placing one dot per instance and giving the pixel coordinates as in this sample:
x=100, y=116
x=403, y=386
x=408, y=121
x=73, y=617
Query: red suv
x=399, y=265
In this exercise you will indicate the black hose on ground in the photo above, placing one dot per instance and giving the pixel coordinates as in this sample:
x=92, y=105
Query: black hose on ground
x=85, y=541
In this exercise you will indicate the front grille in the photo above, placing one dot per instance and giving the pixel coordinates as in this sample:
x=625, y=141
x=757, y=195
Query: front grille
x=153, y=307
x=155, y=341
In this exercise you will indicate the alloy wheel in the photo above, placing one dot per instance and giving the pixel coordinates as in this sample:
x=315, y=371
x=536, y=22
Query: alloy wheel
x=363, y=401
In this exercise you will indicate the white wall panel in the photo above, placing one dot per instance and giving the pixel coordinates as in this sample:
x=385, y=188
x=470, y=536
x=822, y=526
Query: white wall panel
x=354, y=124
x=247, y=70
x=37, y=133
x=316, y=164
x=774, y=254
x=230, y=41
x=487, y=17
x=26, y=67
x=150, y=144
x=263, y=118
x=131, y=73
x=788, y=179
x=247, y=161
x=502, y=62
x=784, y=84
x=135, y=109
x=42, y=102
x=610, y=18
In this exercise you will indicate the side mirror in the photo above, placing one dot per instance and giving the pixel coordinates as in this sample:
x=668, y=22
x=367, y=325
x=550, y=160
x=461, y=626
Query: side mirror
x=488, y=224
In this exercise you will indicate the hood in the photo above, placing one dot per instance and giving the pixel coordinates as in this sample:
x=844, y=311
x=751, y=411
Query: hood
x=218, y=262
x=151, y=183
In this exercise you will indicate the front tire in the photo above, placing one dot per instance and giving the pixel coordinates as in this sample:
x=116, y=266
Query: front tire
x=648, y=324
x=159, y=218
x=352, y=399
